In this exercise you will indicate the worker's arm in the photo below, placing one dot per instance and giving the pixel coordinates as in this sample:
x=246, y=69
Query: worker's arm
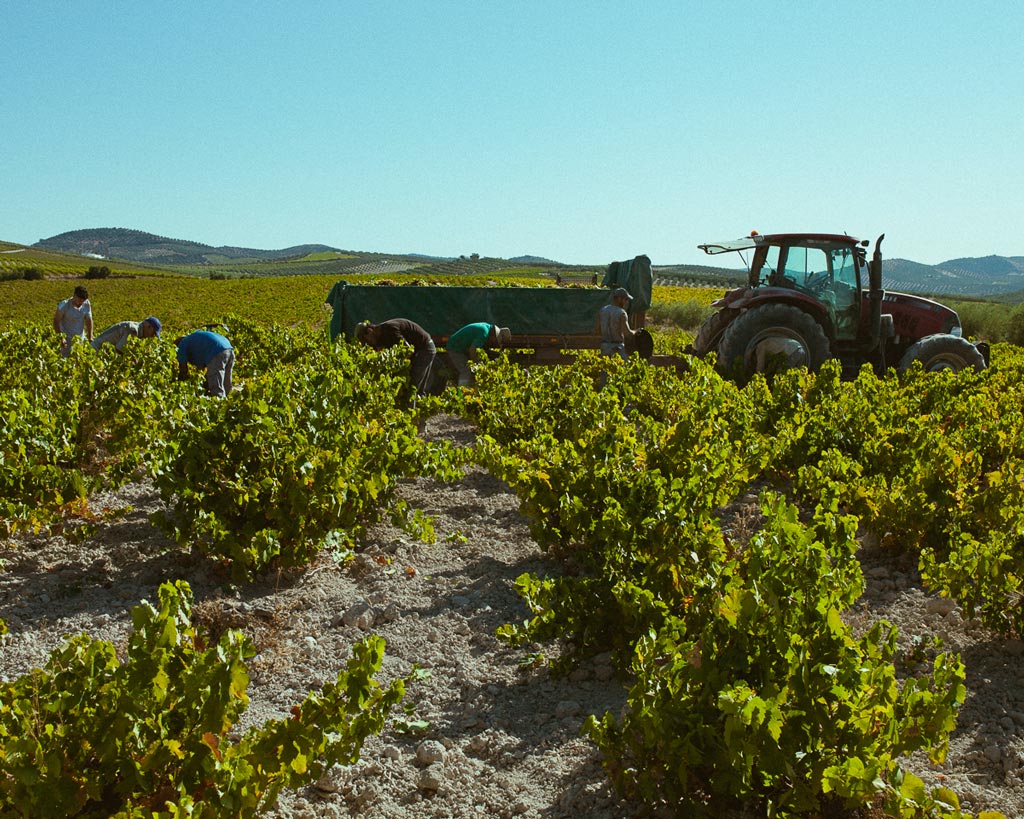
x=182, y=371
x=56, y=322
x=624, y=327
x=88, y=326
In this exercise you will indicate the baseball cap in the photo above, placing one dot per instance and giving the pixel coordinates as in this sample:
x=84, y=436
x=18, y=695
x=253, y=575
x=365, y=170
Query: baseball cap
x=621, y=291
x=155, y=322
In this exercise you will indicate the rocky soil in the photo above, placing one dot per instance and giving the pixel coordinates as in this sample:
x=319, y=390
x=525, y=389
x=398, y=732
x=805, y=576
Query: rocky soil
x=502, y=734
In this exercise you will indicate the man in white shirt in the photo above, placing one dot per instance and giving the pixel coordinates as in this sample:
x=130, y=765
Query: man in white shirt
x=73, y=319
x=612, y=324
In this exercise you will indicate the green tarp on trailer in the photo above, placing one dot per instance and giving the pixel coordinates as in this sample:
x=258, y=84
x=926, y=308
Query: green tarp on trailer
x=636, y=276
x=440, y=310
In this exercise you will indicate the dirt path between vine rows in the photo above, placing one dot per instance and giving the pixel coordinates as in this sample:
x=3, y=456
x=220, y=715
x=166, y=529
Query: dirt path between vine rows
x=502, y=735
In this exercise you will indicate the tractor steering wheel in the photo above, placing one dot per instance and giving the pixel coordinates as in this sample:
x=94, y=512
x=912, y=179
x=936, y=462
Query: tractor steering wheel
x=817, y=282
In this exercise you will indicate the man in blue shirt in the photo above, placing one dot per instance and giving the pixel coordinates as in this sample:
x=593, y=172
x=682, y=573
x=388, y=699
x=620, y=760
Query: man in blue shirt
x=209, y=351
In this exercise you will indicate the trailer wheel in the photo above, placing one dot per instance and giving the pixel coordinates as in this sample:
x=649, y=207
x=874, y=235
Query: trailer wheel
x=943, y=351
x=771, y=338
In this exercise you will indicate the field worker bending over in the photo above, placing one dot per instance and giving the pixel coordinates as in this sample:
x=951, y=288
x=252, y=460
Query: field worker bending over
x=464, y=342
x=403, y=331
x=209, y=351
x=73, y=319
x=118, y=334
x=778, y=354
x=612, y=324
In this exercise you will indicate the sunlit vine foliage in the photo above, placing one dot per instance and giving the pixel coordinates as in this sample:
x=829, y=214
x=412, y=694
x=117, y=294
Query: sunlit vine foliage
x=749, y=687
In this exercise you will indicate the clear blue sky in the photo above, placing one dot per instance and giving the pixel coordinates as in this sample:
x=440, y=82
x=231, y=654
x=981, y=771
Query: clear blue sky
x=580, y=131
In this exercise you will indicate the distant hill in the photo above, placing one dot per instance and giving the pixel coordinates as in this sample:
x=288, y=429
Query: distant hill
x=993, y=276
x=535, y=260
x=698, y=275
x=985, y=276
x=992, y=266
x=148, y=248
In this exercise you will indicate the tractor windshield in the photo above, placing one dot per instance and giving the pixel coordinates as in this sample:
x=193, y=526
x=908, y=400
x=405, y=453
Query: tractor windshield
x=814, y=268
x=827, y=273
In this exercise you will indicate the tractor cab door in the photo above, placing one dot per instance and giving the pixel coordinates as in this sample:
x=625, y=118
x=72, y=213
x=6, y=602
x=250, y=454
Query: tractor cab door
x=843, y=290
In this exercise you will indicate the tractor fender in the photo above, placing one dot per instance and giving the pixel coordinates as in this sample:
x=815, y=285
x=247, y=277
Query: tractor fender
x=756, y=297
x=735, y=302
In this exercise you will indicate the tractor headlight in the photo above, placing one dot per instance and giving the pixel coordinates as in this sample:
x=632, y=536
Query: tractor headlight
x=956, y=330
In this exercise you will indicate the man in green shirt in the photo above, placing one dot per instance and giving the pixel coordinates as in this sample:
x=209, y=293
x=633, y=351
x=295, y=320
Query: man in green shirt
x=464, y=342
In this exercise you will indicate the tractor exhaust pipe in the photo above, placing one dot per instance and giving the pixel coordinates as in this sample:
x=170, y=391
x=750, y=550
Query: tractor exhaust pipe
x=875, y=295
x=875, y=268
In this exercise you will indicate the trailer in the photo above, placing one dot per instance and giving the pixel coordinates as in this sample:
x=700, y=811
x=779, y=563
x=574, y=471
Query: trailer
x=548, y=324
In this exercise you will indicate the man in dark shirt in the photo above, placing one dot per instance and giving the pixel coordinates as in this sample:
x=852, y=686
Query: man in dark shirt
x=398, y=331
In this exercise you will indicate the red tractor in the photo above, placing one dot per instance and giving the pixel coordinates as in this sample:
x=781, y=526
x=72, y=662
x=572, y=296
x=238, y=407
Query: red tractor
x=805, y=301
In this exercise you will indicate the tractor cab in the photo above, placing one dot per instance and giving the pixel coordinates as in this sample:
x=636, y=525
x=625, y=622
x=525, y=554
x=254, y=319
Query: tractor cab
x=827, y=269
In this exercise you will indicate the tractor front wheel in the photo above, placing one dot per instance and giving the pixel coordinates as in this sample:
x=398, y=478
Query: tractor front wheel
x=769, y=339
x=943, y=351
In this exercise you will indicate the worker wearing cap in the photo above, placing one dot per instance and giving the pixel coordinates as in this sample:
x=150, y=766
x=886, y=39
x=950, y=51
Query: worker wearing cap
x=464, y=342
x=613, y=324
x=118, y=334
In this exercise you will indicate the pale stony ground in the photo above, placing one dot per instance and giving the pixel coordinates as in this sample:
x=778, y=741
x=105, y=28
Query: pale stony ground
x=503, y=735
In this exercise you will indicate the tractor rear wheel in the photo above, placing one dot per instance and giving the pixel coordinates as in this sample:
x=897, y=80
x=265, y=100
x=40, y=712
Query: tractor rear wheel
x=943, y=351
x=710, y=331
x=771, y=338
